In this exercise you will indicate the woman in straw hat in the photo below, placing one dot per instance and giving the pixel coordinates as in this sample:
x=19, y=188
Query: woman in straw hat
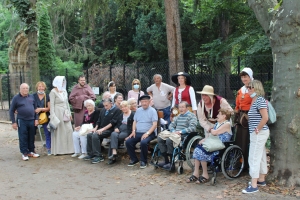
x=184, y=91
x=208, y=108
x=243, y=103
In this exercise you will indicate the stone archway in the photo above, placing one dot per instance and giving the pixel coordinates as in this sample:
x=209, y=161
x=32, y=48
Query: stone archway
x=18, y=62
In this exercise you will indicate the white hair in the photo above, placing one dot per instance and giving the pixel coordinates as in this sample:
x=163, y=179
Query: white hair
x=90, y=101
x=130, y=100
x=104, y=94
x=158, y=76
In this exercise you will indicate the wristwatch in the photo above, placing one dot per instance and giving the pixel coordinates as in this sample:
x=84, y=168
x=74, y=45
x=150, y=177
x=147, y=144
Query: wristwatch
x=180, y=132
x=147, y=133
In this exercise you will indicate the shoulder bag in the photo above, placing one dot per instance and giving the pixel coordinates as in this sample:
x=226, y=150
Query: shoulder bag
x=43, y=118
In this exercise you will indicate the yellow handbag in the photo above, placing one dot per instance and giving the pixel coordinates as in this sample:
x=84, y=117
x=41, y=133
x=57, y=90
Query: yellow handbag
x=43, y=118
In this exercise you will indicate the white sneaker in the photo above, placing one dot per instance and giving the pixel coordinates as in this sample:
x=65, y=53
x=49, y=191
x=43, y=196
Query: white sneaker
x=33, y=154
x=75, y=155
x=25, y=157
x=82, y=156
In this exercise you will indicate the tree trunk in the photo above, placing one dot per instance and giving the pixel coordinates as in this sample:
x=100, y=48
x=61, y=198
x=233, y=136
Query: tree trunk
x=33, y=52
x=174, y=41
x=283, y=31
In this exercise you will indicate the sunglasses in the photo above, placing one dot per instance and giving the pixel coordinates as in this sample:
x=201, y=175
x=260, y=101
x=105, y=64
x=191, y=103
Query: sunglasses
x=136, y=84
x=250, y=87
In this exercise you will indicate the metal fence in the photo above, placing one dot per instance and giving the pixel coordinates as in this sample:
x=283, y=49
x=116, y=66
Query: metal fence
x=222, y=74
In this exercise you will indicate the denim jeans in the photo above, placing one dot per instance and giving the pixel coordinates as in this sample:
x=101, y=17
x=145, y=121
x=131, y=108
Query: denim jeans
x=26, y=132
x=47, y=136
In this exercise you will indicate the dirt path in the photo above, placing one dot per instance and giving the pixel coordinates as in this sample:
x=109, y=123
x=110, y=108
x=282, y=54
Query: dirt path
x=63, y=177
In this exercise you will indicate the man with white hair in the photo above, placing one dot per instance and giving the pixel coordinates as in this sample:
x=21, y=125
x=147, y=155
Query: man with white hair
x=24, y=105
x=105, y=95
x=162, y=94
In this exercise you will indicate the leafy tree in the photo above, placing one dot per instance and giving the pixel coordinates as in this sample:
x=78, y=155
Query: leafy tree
x=46, y=49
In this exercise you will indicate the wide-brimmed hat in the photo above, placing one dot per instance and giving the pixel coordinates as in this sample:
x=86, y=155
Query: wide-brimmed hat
x=186, y=75
x=144, y=97
x=208, y=90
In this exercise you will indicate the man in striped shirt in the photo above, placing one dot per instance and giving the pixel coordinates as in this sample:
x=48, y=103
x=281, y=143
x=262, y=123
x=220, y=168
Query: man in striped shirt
x=181, y=125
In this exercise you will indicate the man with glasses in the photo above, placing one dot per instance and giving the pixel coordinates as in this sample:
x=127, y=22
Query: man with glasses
x=79, y=94
x=105, y=126
x=162, y=94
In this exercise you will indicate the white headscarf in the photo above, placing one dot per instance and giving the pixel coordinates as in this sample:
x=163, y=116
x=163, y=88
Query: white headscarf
x=250, y=74
x=60, y=83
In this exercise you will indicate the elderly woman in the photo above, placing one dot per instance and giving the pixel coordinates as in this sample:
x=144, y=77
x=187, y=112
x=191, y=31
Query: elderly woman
x=243, y=103
x=118, y=98
x=132, y=104
x=43, y=105
x=184, y=91
x=90, y=117
x=208, y=108
x=112, y=89
x=259, y=133
x=60, y=118
x=122, y=129
x=136, y=90
x=222, y=129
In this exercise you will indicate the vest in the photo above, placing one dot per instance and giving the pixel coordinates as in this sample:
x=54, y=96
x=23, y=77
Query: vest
x=185, y=95
x=216, y=108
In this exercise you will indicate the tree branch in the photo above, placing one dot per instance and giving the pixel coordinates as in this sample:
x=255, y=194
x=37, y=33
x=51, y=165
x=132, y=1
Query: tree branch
x=261, y=10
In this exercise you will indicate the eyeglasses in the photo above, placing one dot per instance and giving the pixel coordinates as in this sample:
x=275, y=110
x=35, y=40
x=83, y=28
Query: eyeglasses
x=250, y=87
x=135, y=83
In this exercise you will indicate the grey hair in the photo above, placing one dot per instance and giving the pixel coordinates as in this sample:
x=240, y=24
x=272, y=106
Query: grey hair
x=185, y=103
x=104, y=94
x=25, y=84
x=90, y=101
x=130, y=100
x=158, y=76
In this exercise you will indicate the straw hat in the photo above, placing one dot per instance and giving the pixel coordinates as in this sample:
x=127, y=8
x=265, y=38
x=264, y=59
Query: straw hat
x=208, y=90
x=186, y=75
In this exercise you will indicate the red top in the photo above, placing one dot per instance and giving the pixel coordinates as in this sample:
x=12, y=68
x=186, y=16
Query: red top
x=242, y=101
x=185, y=95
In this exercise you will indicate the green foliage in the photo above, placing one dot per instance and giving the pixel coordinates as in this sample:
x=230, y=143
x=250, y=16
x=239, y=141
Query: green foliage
x=73, y=68
x=27, y=14
x=46, y=49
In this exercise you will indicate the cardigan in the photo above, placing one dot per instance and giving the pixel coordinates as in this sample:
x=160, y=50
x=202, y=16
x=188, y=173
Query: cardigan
x=129, y=121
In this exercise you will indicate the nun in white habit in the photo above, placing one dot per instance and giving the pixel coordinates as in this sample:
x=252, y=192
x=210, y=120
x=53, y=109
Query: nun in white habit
x=61, y=136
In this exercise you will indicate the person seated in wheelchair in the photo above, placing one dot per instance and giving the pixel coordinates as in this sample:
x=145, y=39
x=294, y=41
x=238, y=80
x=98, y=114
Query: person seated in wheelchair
x=208, y=107
x=122, y=129
x=223, y=129
x=180, y=127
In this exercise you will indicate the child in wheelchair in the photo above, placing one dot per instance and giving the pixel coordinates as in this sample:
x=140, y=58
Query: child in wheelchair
x=223, y=129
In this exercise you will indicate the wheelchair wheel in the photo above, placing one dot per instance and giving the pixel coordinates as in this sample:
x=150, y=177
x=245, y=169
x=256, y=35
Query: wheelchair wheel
x=190, y=149
x=213, y=181
x=156, y=157
x=180, y=168
x=232, y=162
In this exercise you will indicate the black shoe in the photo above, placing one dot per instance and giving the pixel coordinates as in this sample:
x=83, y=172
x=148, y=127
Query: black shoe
x=110, y=162
x=97, y=160
x=88, y=157
x=113, y=156
x=132, y=163
x=143, y=165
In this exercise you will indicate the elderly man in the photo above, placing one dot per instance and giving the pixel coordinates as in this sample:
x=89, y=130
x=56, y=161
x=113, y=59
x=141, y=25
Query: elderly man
x=143, y=127
x=107, y=120
x=24, y=104
x=79, y=94
x=105, y=95
x=180, y=127
x=161, y=94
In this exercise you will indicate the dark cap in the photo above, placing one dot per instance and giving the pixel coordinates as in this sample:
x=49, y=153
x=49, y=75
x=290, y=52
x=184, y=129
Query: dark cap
x=144, y=97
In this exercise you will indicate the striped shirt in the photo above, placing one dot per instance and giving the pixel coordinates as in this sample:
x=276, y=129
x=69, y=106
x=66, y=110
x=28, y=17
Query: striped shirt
x=186, y=123
x=254, y=114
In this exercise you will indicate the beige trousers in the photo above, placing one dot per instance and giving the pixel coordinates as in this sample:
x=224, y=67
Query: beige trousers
x=257, y=153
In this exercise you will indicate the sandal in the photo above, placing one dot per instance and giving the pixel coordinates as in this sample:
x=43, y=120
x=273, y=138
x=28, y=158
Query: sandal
x=201, y=180
x=192, y=179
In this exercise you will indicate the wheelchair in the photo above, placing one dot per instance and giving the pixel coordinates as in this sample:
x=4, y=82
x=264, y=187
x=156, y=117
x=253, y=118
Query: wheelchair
x=180, y=154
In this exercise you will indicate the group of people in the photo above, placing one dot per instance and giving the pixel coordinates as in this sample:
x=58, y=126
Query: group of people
x=136, y=120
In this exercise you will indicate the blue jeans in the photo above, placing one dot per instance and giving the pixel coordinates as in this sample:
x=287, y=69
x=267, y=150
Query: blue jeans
x=47, y=136
x=131, y=142
x=26, y=132
x=167, y=113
